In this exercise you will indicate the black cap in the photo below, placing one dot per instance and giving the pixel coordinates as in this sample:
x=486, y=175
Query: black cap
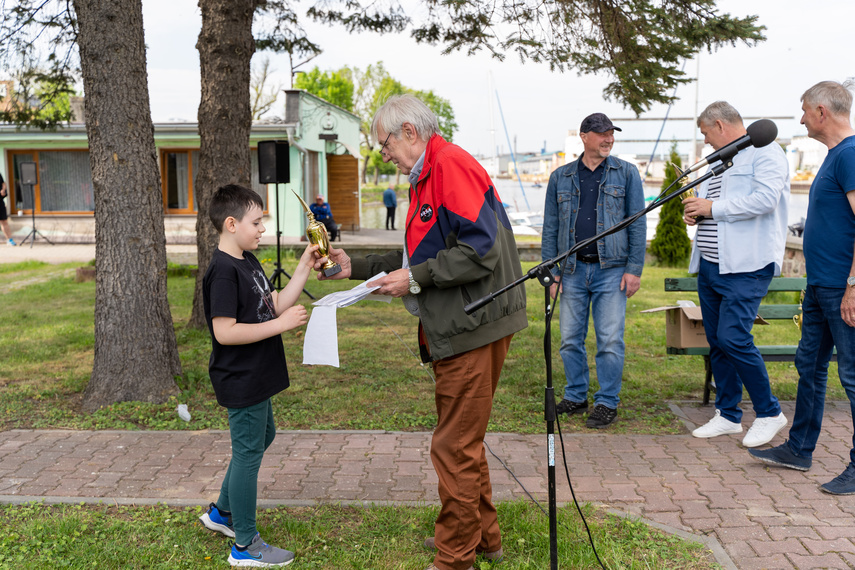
x=598, y=123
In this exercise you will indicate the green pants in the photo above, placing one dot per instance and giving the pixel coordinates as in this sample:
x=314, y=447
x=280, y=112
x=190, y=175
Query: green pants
x=252, y=430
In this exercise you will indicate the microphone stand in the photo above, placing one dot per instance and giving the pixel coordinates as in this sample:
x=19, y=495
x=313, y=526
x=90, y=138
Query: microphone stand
x=543, y=273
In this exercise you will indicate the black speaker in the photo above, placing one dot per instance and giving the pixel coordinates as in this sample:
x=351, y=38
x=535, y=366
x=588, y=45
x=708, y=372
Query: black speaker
x=29, y=176
x=274, y=165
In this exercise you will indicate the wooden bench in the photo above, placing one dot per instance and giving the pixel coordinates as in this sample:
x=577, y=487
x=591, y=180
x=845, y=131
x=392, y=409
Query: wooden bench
x=770, y=353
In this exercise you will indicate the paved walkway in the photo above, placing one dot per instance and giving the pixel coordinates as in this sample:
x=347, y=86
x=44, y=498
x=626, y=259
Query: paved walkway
x=756, y=516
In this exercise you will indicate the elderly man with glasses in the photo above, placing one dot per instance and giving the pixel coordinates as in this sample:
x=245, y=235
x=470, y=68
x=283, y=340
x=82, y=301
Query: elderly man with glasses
x=458, y=247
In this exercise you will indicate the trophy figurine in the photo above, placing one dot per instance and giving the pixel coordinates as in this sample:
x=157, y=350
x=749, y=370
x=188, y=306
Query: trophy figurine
x=690, y=193
x=317, y=234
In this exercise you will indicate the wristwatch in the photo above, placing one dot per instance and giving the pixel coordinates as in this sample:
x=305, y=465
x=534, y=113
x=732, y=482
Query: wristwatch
x=415, y=288
x=850, y=281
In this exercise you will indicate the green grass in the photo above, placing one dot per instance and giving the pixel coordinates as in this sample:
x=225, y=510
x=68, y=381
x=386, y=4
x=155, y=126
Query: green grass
x=47, y=351
x=322, y=537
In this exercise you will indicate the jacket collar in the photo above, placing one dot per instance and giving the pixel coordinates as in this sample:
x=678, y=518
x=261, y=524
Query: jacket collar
x=609, y=162
x=434, y=145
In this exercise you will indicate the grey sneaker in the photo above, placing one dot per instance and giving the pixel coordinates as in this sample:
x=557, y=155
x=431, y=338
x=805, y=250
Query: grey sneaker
x=570, y=407
x=259, y=554
x=843, y=484
x=781, y=455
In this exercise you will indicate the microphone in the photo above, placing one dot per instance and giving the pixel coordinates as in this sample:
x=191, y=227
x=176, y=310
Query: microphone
x=758, y=134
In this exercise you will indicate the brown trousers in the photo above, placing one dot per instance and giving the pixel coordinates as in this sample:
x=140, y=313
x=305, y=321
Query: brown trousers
x=467, y=522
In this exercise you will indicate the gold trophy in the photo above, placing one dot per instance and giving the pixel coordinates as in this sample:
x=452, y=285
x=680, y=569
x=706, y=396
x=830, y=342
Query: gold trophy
x=797, y=319
x=690, y=193
x=317, y=234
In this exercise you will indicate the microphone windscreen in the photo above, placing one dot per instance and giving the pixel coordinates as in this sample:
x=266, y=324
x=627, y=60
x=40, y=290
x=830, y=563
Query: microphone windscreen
x=762, y=132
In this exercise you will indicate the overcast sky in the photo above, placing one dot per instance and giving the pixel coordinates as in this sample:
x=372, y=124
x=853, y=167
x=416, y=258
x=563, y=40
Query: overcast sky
x=807, y=42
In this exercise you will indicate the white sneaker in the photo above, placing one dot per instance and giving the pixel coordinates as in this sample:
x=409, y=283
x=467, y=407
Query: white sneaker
x=717, y=426
x=763, y=430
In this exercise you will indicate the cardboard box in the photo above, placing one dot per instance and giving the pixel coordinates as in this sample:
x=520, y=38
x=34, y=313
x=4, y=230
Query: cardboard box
x=684, y=326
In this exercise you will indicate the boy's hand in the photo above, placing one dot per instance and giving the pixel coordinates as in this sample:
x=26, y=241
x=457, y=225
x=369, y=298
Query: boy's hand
x=294, y=317
x=308, y=257
x=338, y=256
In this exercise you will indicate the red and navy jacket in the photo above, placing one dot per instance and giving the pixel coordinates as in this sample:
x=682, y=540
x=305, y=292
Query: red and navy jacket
x=460, y=247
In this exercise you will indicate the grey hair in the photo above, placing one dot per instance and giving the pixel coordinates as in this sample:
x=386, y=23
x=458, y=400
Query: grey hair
x=836, y=97
x=720, y=111
x=400, y=109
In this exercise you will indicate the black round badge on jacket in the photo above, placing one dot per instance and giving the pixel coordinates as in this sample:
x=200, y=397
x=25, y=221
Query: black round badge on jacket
x=426, y=213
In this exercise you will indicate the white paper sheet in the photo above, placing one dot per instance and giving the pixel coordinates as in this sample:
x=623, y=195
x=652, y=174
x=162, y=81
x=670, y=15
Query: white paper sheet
x=321, y=343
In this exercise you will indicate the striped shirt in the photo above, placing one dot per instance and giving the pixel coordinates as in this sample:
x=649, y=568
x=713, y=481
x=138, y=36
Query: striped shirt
x=707, y=232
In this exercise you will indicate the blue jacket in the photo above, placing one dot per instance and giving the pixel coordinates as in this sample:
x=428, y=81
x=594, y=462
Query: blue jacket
x=621, y=195
x=390, y=200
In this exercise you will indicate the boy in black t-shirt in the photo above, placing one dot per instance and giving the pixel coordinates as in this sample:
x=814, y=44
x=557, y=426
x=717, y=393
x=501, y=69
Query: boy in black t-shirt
x=246, y=318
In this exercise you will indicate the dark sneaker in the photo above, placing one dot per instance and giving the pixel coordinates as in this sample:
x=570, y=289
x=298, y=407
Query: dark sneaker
x=843, y=484
x=601, y=417
x=782, y=456
x=494, y=557
x=569, y=407
x=259, y=554
x=218, y=521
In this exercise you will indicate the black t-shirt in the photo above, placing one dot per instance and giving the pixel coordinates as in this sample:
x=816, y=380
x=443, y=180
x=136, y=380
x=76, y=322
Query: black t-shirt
x=247, y=374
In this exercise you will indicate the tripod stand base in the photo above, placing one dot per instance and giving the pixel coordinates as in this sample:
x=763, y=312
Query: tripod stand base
x=32, y=237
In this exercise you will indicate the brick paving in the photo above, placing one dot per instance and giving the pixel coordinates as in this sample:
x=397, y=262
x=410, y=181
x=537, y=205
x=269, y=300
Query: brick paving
x=752, y=515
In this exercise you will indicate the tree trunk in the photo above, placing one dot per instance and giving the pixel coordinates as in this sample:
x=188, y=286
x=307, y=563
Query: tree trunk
x=225, y=48
x=136, y=355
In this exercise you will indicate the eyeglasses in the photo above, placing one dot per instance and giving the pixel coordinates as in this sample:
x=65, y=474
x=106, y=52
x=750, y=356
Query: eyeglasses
x=385, y=142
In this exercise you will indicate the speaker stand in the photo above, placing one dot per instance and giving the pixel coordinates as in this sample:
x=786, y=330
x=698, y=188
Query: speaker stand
x=278, y=272
x=34, y=232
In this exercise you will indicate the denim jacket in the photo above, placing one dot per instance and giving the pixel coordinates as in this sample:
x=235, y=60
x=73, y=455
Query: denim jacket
x=620, y=196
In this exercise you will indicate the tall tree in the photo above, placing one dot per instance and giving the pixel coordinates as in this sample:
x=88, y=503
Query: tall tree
x=639, y=44
x=225, y=48
x=136, y=355
x=335, y=87
x=671, y=244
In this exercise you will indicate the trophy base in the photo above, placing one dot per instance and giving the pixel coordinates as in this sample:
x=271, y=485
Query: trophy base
x=330, y=271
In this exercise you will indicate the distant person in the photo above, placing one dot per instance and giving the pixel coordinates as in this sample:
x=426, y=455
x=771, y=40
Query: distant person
x=246, y=318
x=323, y=214
x=4, y=216
x=584, y=198
x=828, y=309
x=458, y=247
x=738, y=248
x=390, y=200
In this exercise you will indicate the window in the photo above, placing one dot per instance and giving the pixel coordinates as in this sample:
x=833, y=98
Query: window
x=178, y=172
x=64, y=182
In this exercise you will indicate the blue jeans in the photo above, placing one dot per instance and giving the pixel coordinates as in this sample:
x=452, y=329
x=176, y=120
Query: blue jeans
x=822, y=329
x=598, y=289
x=729, y=304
